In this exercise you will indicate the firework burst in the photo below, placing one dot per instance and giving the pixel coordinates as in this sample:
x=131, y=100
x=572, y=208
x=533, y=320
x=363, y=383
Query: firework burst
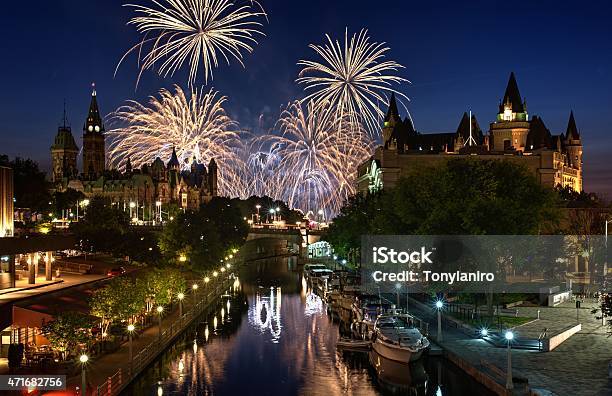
x=192, y=31
x=196, y=126
x=353, y=77
x=310, y=163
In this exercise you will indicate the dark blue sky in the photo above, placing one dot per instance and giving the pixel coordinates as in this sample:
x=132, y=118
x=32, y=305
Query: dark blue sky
x=458, y=57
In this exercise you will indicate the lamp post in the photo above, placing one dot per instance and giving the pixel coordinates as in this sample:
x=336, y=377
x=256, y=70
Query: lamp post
x=509, y=337
x=258, y=206
x=439, y=306
x=130, y=330
x=180, y=297
x=83, y=359
x=160, y=309
x=271, y=212
x=194, y=287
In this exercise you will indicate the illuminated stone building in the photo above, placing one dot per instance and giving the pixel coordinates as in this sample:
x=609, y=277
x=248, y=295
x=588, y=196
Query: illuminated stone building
x=187, y=184
x=6, y=202
x=555, y=160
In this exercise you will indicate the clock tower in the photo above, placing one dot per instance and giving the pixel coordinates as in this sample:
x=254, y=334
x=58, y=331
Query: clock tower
x=94, y=155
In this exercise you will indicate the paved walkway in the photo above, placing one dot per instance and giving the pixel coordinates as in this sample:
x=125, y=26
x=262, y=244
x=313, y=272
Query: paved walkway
x=579, y=366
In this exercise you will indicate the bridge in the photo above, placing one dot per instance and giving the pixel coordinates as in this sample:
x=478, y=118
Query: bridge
x=297, y=240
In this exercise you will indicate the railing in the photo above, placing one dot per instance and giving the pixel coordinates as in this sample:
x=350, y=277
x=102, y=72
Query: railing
x=116, y=383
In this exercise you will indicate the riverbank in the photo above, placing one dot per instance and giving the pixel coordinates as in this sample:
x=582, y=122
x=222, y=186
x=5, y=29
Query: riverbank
x=108, y=374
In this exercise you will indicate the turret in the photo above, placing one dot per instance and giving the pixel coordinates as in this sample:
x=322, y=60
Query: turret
x=573, y=143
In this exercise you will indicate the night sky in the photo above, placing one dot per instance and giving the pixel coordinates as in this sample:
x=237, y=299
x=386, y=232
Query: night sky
x=458, y=57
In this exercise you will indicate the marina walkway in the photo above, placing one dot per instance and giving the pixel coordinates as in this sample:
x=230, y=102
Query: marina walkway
x=588, y=352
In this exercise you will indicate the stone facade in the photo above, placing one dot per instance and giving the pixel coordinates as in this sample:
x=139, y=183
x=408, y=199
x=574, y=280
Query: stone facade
x=152, y=185
x=555, y=160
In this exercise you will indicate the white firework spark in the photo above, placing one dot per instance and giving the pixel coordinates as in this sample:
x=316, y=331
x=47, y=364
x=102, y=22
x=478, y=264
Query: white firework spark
x=196, y=126
x=311, y=163
x=353, y=77
x=194, y=31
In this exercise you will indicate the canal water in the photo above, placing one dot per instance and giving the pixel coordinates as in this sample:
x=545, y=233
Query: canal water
x=270, y=336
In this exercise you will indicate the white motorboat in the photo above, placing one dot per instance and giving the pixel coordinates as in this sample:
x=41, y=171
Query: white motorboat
x=396, y=338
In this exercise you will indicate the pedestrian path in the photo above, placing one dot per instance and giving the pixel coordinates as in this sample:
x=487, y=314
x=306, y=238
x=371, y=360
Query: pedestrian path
x=579, y=366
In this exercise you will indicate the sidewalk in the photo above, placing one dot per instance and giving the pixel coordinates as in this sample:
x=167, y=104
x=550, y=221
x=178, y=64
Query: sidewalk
x=576, y=367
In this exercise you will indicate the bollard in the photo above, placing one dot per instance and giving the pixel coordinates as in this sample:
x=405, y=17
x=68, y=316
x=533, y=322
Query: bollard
x=538, y=314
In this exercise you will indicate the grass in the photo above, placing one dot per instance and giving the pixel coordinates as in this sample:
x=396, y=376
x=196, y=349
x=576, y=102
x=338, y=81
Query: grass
x=492, y=321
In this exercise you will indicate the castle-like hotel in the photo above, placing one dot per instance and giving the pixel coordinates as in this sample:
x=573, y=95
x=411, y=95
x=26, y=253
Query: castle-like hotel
x=555, y=160
x=154, y=184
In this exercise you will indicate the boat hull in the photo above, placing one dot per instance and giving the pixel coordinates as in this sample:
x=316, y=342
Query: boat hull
x=397, y=354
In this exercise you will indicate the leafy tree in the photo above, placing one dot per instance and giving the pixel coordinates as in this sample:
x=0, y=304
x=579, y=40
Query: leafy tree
x=69, y=330
x=63, y=200
x=118, y=301
x=29, y=182
x=228, y=220
x=102, y=228
x=191, y=240
x=160, y=287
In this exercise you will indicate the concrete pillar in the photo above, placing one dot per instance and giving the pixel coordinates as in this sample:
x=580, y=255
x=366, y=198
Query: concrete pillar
x=49, y=266
x=36, y=262
x=31, y=274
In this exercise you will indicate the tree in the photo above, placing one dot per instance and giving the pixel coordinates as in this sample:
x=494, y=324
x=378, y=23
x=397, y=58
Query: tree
x=102, y=228
x=63, y=200
x=193, y=240
x=30, y=185
x=228, y=220
x=67, y=331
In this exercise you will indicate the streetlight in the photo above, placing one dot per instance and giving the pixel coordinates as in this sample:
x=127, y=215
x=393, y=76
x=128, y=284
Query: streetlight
x=206, y=280
x=258, y=206
x=484, y=332
x=194, y=287
x=130, y=330
x=83, y=359
x=215, y=273
x=439, y=306
x=271, y=211
x=509, y=337
x=160, y=309
x=180, y=297
x=222, y=269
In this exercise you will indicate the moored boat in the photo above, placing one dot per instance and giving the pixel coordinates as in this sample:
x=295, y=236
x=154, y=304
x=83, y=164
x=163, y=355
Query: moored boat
x=396, y=338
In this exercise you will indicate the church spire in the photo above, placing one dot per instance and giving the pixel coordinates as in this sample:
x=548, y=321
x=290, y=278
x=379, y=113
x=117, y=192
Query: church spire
x=94, y=121
x=392, y=112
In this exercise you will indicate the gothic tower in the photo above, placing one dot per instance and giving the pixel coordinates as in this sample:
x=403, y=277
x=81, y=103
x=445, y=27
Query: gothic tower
x=392, y=118
x=212, y=177
x=573, y=146
x=64, y=152
x=509, y=131
x=93, y=141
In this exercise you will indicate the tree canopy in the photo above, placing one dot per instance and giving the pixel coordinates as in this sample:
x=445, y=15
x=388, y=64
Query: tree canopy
x=458, y=197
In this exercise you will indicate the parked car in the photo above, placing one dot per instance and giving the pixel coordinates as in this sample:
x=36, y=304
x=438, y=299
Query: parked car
x=116, y=271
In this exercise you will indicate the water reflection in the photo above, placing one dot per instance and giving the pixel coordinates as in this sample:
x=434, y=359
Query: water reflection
x=287, y=348
x=265, y=314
